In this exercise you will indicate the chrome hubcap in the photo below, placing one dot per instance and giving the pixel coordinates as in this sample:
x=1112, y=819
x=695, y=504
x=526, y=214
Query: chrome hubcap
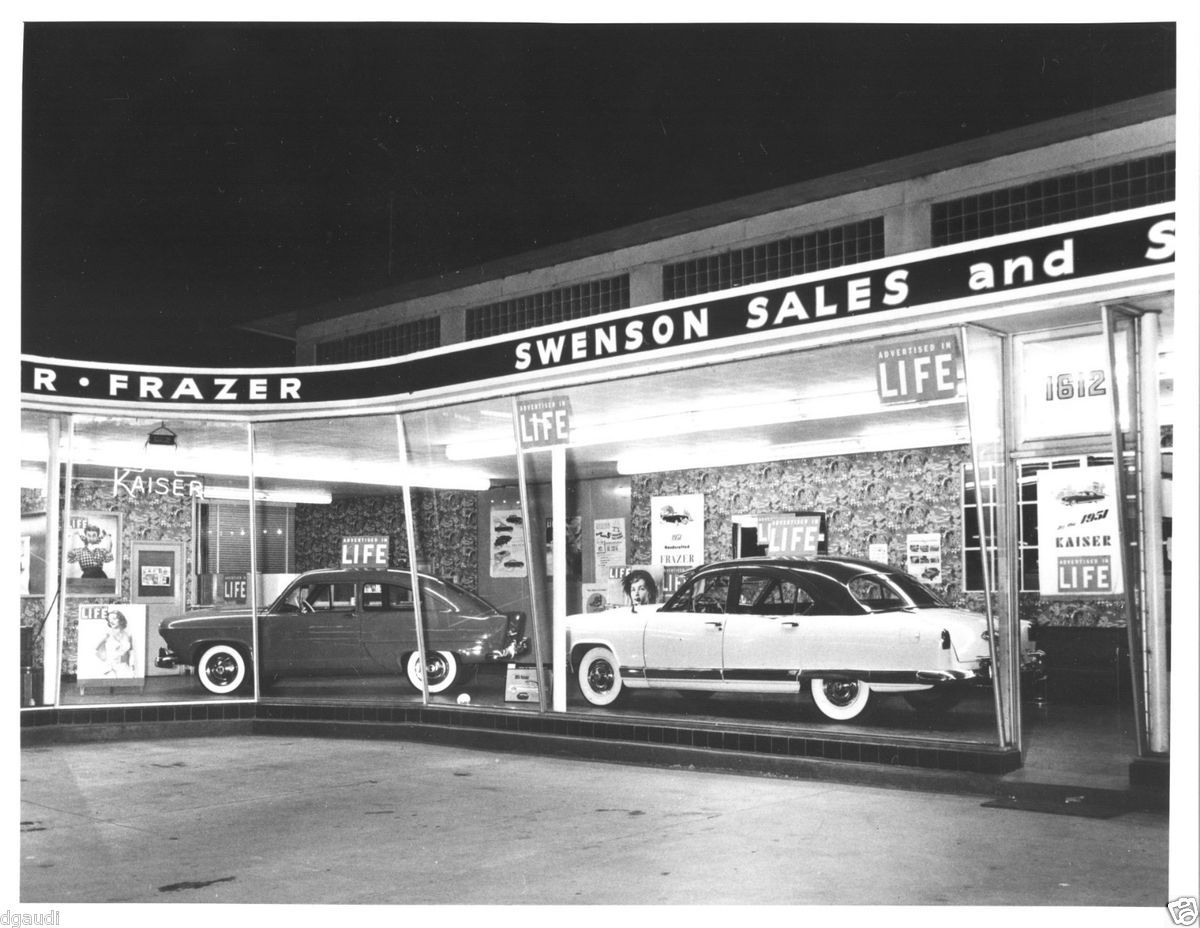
x=841, y=692
x=221, y=669
x=600, y=676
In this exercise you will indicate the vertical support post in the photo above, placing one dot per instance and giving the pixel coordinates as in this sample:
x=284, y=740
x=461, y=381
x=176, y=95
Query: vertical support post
x=558, y=480
x=1010, y=535
x=523, y=486
x=411, y=540
x=255, y=658
x=1158, y=677
x=998, y=684
x=1133, y=613
x=55, y=584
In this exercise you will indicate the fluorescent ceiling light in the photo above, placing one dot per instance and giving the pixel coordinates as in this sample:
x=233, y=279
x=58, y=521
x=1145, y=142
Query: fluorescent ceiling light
x=682, y=457
x=683, y=422
x=316, y=497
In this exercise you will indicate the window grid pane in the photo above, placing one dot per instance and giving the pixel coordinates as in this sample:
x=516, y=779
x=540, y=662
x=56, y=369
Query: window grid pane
x=816, y=251
x=405, y=338
x=526, y=312
x=1144, y=182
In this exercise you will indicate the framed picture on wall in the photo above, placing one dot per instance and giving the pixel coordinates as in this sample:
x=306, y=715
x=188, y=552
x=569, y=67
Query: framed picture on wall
x=93, y=561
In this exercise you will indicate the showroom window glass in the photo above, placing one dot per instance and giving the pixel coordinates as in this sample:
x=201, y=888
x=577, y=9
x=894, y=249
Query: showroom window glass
x=134, y=496
x=479, y=559
x=852, y=451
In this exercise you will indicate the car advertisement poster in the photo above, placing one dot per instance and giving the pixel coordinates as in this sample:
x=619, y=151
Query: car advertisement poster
x=508, y=543
x=923, y=555
x=1079, y=552
x=677, y=530
x=608, y=543
x=112, y=644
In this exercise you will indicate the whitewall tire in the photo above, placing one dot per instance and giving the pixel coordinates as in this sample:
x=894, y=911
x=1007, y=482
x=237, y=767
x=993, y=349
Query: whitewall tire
x=443, y=670
x=840, y=700
x=222, y=669
x=600, y=677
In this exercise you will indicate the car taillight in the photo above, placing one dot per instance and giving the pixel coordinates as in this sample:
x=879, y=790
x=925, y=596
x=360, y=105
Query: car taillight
x=945, y=640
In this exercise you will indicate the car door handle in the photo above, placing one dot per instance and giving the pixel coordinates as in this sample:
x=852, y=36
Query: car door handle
x=715, y=624
x=790, y=624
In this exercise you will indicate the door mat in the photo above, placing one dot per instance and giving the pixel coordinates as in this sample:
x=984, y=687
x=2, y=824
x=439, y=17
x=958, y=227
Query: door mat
x=1080, y=805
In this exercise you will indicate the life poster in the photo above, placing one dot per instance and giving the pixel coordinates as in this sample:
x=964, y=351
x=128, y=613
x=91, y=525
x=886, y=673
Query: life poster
x=1079, y=550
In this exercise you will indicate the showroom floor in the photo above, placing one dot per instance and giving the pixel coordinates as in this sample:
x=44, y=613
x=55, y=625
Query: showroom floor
x=1065, y=743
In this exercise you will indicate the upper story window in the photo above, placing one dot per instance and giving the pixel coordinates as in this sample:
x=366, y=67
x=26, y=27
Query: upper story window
x=801, y=254
x=527, y=312
x=390, y=342
x=1143, y=182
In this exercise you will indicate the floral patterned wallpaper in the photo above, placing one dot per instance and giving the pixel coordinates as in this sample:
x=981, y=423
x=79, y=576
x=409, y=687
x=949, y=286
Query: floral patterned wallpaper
x=153, y=518
x=869, y=498
x=447, y=543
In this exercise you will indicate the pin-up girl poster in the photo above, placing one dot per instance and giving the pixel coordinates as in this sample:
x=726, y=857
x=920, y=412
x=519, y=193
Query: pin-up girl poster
x=93, y=554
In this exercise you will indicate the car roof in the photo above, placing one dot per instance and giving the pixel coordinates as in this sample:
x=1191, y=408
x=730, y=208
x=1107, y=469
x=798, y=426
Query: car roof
x=835, y=567
x=366, y=574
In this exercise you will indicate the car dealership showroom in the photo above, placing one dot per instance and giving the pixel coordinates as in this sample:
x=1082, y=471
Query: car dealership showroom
x=906, y=504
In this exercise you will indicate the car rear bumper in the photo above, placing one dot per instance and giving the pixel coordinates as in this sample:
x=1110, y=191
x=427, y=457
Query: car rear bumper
x=167, y=659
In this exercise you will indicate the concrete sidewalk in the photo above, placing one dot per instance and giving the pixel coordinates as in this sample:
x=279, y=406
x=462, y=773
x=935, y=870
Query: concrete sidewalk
x=254, y=819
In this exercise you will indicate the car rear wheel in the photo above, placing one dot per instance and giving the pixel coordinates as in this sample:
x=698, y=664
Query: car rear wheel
x=937, y=699
x=841, y=700
x=442, y=670
x=600, y=677
x=222, y=669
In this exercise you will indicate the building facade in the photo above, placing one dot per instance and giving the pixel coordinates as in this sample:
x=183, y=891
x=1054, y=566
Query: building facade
x=951, y=373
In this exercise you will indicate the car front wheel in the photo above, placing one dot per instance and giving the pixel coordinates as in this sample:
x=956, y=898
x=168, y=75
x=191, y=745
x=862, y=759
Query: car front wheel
x=442, y=670
x=600, y=677
x=222, y=669
x=840, y=700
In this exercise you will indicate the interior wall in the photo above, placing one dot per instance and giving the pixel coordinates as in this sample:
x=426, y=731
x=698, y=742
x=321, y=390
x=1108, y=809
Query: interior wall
x=445, y=529
x=149, y=518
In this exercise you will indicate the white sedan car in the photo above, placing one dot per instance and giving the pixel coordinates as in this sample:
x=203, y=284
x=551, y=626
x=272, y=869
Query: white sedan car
x=843, y=628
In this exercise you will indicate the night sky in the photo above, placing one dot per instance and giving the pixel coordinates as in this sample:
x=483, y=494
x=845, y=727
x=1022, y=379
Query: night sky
x=180, y=178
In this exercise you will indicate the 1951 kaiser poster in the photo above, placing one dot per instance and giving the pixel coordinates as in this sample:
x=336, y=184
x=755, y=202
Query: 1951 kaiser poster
x=1078, y=544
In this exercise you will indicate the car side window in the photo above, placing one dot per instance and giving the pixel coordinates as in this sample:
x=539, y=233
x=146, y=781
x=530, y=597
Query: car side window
x=767, y=595
x=785, y=598
x=707, y=594
x=330, y=596
x=373, y=596
x=751, y=591
x=397, y=597
x=874, y=594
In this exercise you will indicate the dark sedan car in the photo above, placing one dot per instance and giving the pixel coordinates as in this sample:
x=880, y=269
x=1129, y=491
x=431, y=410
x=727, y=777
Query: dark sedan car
x=353, y=622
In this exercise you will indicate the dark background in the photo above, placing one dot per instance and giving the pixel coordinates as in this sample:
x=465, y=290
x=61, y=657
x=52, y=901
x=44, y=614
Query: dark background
x=180, y=178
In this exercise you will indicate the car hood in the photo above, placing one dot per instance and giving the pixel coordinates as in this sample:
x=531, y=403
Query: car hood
x=216, y=615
